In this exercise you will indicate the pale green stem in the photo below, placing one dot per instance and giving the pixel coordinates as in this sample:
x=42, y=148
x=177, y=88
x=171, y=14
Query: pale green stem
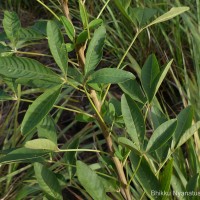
x=122, y=59
x=81, y=150
x=135, y=171
x=103, y=9
x=63, y=108
x=97, y=112
x=51, y=11
x=32, y=53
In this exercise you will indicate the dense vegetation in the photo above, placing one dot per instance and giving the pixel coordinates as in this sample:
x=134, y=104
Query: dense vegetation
x=99, y=99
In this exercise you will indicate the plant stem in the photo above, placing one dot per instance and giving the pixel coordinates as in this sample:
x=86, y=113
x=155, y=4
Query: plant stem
x=63, y=108
x=51, y=11
x=103, y=9
x=122, y=59
x=32, y=53
x=119, y=166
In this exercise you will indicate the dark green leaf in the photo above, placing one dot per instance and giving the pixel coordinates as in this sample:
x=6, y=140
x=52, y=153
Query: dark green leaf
x=4, y=96
x=157, y=116
x=134, y=120
x=90, y=181
x=11, y=25
x=151, y=77
x=110, y=185
x=128, y=144
x=4, y=48
x=83, y=14
x=188, y=133
x=57, y=46
x=165, y=178
x=161, y=135
x=45, y=82
x=142, y=15
x=18, y=67
x=75, y=74
x=29, y=34
x=40, y=27
x=23, y=154
x=69, y=28
x=144, y=175
x=95, y=49
x=46, y=129
x=149, y=72
x=133, y=89
x=184, y=122
x=110, y=75
x=82, y=37
x=48, y=182
x=39, y=109
x=192, y=184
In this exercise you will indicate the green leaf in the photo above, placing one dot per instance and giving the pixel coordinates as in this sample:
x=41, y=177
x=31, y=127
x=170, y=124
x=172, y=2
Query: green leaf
x=142, y=15
x=133, y=119
x=39, y=109
x=82, y=37
x=128, y=144
x=94, y=23
x=69, y=28
x=48, y=182
x=149, y=73
x=4, y=96
x=44, y=82
x=184, y=122
x=11, y=25
x=46, y=129
x=177, y=186
x=157, y=116
x=151, y=77
x=110, y=75
x=4, y=48
x=133, y=89
x=192, y=184
x=188, y=133
x=90, y=181
x=95, y=49
x=84, y=118
x=40, y=26
x=57, y=46
x=18, y=67
x=159, y=79
x=23, y=154
x=161, y=135
x=83, y=14
x=29, y=34
x=44, y=144
x=165, y=178
x=173, y=12
x=144, y=175
x=70, y=47
x=110, y=185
